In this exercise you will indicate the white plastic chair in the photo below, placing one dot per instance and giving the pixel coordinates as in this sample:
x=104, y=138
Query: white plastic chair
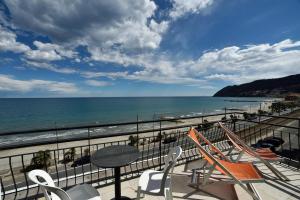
x=158, y=183
x=51, y=192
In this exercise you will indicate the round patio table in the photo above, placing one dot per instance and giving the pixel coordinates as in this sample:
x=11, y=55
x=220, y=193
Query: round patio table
x=115, y=157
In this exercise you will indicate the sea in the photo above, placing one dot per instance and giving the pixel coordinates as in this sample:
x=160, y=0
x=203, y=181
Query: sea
x=17, y=114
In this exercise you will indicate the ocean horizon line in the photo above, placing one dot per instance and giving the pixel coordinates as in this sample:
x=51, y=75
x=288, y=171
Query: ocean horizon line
x=122, y=97
x=112, y=97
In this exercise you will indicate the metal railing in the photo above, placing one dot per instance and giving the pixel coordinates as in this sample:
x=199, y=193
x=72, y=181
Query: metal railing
x=66, y=159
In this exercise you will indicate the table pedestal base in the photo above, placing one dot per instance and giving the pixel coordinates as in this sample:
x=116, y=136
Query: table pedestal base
x=122, y=198
x=118, y=186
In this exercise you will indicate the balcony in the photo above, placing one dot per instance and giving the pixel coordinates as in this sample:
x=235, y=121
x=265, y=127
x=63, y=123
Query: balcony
x=181, y=179
x=67, y=158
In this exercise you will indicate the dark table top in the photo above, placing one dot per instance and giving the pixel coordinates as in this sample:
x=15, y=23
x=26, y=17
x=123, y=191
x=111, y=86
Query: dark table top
x=115, y=156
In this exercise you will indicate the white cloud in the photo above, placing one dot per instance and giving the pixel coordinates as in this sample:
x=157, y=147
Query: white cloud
x=49, y=52
x=121, y=31
x=144, y=75
x=224, y=77
x=50, y=67
x=107, y=24
x=157, y=77
x=8, y=42
x=183, y=7
x=232, y=64
x=111, y=75
x=9, y=83
x=97, y=83
x=45, y=52
x=251, y=62
x=42, y=55
x=118, y=31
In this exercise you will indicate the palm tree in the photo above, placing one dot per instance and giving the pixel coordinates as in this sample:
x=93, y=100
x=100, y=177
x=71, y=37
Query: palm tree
x=133, y=140
x=206, y=125
x=41, y=159
x=69, y=155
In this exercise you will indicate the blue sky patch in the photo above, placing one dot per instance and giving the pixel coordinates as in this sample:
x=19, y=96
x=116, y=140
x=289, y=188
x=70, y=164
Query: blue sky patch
x=144, y=48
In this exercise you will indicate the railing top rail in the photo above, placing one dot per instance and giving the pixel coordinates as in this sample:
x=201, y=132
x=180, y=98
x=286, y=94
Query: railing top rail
x=270, y=124
x=273, y=116
x=123, y=133
x=106, y=125
x=86, y=137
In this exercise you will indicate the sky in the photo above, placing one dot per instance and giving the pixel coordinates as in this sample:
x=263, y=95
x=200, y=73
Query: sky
x=100, y=48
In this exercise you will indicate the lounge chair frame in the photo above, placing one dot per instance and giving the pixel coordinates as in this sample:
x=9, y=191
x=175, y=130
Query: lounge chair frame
x=247, y=185
x=244, y=148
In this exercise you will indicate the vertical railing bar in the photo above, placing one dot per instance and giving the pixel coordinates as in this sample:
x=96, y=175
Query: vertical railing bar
x=260, y=134
x=298, y=142
x=82, y=170
x=138, y=139
x=182, y=140
x=57, y=147
x=148, y=150
x=38, y=190
x=105, y=170
x=125, y=171
x=65, y=167
x=187, y=145
x=290, y=145
x=153, y=151
x=281, y=143
x=89, y=143
x=98, y=174
x=160, y=137
x=244, y=130
x=26, y=180
x=44, y=160
x=163, y=152
x=143, y=149
x=74, y=167
x=130, y=166
x=13, y=177
x=137, y=130
x=56, y=169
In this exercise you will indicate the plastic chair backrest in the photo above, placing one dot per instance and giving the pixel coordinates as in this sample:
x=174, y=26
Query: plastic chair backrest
x=48, y=185
x=170, y=162
x=172, y=157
